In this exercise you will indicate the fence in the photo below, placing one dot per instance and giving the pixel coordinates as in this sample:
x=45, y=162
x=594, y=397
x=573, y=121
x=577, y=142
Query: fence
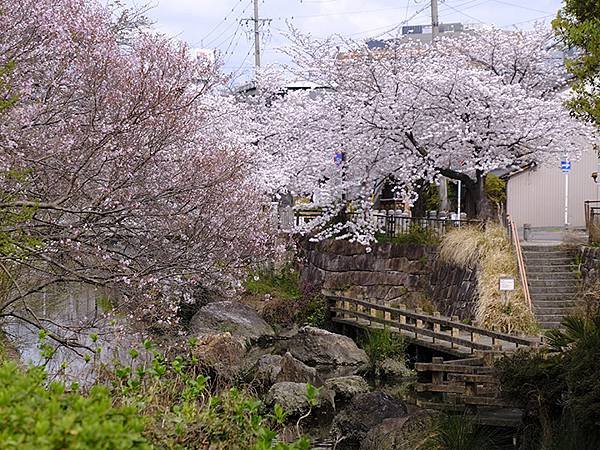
x=394, y=223
x=592, y=220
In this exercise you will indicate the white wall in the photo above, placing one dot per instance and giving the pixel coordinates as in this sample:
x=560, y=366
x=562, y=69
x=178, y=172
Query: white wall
x=537, y=196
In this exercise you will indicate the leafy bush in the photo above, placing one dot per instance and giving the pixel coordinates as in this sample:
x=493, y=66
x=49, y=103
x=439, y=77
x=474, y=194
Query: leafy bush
x=416, y=235
x=282, y=284
x=35, y=417
x=381, y=344
x=559, y=386
x=459, y=432
x=182, y=411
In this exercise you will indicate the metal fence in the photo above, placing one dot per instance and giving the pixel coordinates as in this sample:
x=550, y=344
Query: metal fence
x=393, y=223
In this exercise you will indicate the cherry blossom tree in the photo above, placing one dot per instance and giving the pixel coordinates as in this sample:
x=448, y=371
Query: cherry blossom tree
x=411, y=111
x=122, y=163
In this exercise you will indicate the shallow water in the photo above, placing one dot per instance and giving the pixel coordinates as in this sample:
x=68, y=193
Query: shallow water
x=78, y=313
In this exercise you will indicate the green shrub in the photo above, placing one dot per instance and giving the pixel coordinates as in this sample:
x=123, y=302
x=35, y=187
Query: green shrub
x=381, y=344
x=35, y=417
x=417, y=235
x=184, y=411
x=459, y=432
x=283, y=284
x=559, y=387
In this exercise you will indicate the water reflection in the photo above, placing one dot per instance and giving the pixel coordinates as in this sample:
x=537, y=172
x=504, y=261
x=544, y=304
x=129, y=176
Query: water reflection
x=77, y=312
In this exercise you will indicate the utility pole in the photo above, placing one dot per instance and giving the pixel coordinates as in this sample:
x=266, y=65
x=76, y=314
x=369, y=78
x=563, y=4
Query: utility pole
x=435, y=20
x=257, y=25
x=256, y=36
x=435, y=31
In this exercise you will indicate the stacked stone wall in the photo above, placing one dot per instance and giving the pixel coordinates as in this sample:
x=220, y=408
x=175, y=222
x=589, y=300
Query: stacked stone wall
x=589, y=265
x=390, y=274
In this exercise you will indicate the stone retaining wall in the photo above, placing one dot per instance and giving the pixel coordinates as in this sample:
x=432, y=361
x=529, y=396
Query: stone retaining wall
x=390, y=274
x=589, y=265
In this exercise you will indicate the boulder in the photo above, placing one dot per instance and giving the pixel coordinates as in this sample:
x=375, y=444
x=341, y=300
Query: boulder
x=401, y=433
x=394, y=370
x=293, y=370
x=315, y=346
x=364, y=412
x=228, y=316
x=345, y=388
x=265, y=371
x=293, y=398
x=221, y=354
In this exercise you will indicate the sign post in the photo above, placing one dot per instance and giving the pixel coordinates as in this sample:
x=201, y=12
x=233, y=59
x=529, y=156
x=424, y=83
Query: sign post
x=506, y=285
x=565, y=166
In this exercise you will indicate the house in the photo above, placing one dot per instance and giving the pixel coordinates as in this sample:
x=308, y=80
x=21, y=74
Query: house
x=535, y=194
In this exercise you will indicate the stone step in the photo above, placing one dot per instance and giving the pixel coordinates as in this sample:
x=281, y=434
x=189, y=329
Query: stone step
x=545, y=318
x=566, y=290
x=536, y=256
x=558, y=311
x=565, y=268
x=552, y=276
x=553, y=297
x=549, y=262
x=553, y=303
x=544, y=248
x=552, y=282
x=549, y=325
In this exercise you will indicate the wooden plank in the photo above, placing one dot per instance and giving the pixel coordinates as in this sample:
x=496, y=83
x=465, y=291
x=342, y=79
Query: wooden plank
x=526, y=341
x=474, y=378
x=455, y=368
x=422, y=331
x=481, y=401
x=447, y=387
x=466, y=361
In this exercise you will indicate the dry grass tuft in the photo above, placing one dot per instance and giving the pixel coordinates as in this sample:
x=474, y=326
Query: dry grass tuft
x=491, y=252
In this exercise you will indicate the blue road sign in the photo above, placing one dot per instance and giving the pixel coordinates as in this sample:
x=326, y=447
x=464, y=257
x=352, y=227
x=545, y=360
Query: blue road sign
x=565, y=166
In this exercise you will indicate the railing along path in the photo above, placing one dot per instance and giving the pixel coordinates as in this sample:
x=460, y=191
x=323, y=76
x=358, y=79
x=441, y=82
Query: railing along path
x=466, y=384
x=433, y=331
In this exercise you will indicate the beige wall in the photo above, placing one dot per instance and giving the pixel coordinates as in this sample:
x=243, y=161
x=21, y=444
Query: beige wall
x=537, y=196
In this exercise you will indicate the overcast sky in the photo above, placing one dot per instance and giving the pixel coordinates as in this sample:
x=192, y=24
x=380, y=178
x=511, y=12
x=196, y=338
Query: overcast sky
x=216, y=23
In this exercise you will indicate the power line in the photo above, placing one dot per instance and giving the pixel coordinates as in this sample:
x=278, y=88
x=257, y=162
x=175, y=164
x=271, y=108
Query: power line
x=502, y=2
x=464, y=13
x=221, y=22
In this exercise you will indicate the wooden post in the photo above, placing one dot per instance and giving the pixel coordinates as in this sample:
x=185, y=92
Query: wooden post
x=402, y=318
x=436, y=376
x=418, y=322
x=454, y=332
x=373, y=313
x=387, y=315
x=436, y=326
x=346, y=308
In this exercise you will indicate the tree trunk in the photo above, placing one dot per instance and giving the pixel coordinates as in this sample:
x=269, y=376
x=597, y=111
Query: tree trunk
x=483, y=208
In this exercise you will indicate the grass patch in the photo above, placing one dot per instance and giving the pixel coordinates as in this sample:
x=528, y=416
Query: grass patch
x=490, y=251
x=283, y=284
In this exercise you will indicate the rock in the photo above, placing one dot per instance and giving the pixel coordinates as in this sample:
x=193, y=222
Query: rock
x=229, y=316
x=296, y=371
x=221, y=354
x=400, y=433
x=265, y=371
x=345, y=388
x=315, y=346
x=393, y=369
x=364, y=412
x=293, y=398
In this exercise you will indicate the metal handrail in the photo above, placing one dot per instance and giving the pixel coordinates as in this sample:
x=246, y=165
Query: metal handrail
x=520, y=260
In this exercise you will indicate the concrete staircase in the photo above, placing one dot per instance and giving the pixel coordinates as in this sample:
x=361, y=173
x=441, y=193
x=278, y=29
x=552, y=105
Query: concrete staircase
x=552, y=282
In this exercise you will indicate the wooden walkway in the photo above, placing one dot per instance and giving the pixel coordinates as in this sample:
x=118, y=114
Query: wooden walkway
x=464, y=381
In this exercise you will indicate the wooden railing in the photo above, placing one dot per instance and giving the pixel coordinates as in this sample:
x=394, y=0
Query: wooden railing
x=520, y=260
x=592, y=220
x=431, y=330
